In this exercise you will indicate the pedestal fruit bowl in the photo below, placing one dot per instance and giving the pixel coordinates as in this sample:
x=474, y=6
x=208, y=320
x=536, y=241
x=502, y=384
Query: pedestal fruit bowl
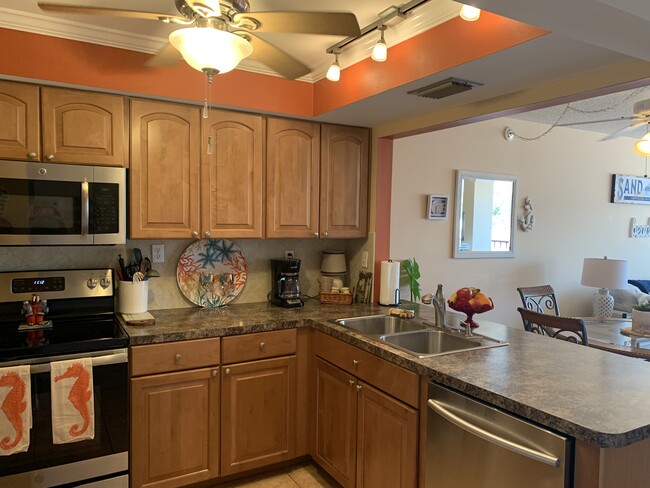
x=470, y=301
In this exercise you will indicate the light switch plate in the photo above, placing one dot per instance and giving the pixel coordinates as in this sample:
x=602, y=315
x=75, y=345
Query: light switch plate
x=289, y=254
x=364, y=259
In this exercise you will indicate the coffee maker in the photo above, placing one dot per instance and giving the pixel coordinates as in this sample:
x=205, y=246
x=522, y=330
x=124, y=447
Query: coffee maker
x=285, y=290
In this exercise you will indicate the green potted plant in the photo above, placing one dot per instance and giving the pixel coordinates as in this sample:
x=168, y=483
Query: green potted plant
x=412, y=270
x=641, y=318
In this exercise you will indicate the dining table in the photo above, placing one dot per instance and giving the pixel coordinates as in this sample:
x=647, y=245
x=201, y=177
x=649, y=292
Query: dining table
x=615, y=335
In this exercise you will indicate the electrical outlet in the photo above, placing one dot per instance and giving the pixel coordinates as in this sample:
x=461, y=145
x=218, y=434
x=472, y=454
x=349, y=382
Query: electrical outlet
x=364, y=259
x=289, y=254
x=157, y=253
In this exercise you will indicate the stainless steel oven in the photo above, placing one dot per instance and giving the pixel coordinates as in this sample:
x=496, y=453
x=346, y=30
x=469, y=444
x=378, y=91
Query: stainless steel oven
x=81, y=312
x=61, y=204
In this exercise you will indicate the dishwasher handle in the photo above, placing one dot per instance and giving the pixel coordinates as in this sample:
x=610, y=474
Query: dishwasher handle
x=493, y=438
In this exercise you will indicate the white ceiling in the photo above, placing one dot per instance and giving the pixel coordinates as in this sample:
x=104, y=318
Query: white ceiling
x=587, y=35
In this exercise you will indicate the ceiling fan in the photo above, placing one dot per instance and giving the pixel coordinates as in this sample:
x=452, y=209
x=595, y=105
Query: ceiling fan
x=215, y=35
x=641, y=111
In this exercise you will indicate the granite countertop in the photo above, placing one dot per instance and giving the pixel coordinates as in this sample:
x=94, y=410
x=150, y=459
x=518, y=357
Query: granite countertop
x=593, y=395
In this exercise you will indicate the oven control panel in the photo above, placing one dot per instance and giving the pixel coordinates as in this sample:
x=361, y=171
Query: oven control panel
x=69, y=283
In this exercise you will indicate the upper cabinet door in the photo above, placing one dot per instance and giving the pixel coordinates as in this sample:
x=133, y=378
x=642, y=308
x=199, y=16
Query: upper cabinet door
x=20, y=127
x=164, y=176
x=344, y=181
x=83, y=127
x=293, y=150
x=231, y=181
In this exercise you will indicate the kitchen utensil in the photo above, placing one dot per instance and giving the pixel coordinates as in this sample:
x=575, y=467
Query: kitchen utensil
x=145, y=265
x=120, y=262
x=137, y=253
x=138, y=276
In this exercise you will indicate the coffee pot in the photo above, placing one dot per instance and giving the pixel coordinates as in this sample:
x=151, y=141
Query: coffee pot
x=285, y=289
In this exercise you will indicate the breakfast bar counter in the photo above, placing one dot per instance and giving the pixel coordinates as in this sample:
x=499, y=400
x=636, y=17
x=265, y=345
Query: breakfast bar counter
x=597, y=397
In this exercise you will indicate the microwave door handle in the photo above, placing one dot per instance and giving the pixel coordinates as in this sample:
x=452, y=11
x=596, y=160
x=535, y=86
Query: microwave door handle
x=493, y=438
x=85, y=209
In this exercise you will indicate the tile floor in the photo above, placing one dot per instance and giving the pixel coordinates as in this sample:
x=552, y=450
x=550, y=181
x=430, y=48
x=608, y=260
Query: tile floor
x=305, y=476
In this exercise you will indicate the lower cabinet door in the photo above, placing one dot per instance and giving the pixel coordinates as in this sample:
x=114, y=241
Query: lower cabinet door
x=387, y=440
x=258, y=414
x=175, y=428
x=336, y=422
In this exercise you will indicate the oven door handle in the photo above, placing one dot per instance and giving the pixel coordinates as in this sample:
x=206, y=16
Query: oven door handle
x=104, y=360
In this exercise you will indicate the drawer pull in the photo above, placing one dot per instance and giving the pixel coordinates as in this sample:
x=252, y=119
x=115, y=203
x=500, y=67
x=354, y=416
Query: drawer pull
x=351, y=382
x=358, y=387
x=227, y=370
x=178, y=357
x=262, y=344
x=215, y=372
x=355, y=363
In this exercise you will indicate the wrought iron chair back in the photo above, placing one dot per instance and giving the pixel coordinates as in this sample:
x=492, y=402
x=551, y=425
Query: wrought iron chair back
x=566, y=328
x=539, y=298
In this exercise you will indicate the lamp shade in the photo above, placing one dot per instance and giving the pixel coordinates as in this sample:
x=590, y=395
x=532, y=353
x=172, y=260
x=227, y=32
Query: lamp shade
x=210, y=48
x=469, y=13
x=604, y=273
x=642, y=146
x=333, y=263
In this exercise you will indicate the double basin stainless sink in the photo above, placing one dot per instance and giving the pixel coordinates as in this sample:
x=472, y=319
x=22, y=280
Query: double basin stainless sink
x=417, y=337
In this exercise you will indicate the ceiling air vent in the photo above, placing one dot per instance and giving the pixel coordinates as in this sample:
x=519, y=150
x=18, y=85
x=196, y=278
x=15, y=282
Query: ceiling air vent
x=444, y=88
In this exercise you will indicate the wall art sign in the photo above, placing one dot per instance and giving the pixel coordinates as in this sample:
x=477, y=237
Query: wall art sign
x=437, y=207
x=630, y=189
x=639, y=230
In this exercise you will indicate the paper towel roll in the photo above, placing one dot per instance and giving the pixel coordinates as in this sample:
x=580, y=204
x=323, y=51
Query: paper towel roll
x=389, y=284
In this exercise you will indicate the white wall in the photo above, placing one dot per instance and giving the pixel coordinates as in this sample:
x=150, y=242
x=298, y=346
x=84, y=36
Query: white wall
x=566, y=174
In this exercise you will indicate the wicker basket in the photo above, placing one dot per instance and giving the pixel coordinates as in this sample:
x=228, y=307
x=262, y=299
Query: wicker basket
x=336, y=298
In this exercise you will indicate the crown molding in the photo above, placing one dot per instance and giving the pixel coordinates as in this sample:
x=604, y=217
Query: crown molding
x=417, y=21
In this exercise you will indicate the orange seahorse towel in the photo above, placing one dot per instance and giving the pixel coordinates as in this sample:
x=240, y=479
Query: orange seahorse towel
x=15, y=409
x=73, y=405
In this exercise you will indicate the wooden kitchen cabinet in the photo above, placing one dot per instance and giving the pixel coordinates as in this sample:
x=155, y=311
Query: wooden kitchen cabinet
x=20, y=128
x=76, y=126
x=164, y=176
x=365, y=437
x=259, y=392
x=344, y=181
x=292, y=178
x=175, y=402
x=231, y=177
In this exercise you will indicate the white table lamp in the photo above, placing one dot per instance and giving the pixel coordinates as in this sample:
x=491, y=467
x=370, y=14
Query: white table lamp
x=604, y=274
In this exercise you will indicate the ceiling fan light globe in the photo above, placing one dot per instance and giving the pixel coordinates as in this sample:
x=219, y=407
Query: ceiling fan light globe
x=379, y=52
x=209, y=48
x=642, y=146
x=469, y=13
x=334, y=72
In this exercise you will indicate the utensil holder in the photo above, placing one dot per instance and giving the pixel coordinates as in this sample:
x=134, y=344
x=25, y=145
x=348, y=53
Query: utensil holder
x=133, y=297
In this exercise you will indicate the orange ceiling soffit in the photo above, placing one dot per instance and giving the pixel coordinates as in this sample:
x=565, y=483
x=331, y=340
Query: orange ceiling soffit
x=445, y=46
x=46, y=58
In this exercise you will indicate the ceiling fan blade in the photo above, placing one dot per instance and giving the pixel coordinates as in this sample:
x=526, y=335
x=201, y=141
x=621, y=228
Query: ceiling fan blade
x=275, y=58
x=168, y=55
x=108, y=12
x=619, y=119
x=624, y=131
x=326, y=23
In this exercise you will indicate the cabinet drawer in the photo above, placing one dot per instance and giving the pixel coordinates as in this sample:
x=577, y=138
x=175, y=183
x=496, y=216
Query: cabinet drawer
x=394, y=380
x=250, y=347
x=174, y=356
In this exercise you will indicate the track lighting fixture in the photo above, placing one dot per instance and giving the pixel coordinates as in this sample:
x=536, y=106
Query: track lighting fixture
x=334, y=71
x=469, y=13
x=380, y=51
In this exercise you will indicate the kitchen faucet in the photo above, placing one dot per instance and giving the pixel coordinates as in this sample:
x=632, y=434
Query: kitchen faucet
x=440, y=308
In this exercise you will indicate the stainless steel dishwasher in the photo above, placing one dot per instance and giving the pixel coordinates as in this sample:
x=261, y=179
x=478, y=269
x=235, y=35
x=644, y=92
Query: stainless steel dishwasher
x=472, y=444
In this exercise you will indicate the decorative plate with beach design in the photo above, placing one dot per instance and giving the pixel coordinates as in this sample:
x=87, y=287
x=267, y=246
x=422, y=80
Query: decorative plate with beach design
x=211, y=272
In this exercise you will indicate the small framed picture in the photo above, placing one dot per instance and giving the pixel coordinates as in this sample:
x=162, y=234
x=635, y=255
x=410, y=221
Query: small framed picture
x=437, y=207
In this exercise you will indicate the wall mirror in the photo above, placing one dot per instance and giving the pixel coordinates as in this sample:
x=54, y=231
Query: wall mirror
x=484, y=218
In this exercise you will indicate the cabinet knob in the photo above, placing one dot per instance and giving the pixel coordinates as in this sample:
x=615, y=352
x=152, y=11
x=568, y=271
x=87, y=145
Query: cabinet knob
x=227, y=370
x=324, y=234
x=207, y=233
x=32, y=155
x=358, y=387
x=262, y=344
x=195, y=234
x=355, y=363
x=315, y=234
x=215, y=372
x=178, y=357
x=49, y=157
x=351, y=382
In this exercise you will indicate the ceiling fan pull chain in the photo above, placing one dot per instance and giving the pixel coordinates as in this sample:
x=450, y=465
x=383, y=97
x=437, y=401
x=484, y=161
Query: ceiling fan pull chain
x=208, y=105
x=204, y=112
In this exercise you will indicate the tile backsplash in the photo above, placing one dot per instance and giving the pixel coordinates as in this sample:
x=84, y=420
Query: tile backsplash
x=164, y=291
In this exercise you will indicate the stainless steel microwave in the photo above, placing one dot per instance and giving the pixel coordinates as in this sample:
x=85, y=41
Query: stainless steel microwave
x=61, y=204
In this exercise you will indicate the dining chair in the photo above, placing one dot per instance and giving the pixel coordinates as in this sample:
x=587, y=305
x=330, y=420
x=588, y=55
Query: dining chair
x=568, y=329
x=539, y=298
